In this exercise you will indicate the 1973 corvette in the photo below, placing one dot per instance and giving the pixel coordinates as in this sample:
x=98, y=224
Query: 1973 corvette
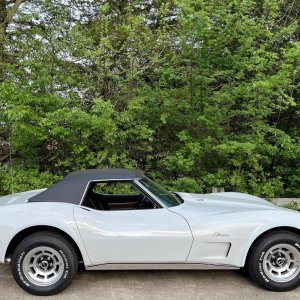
x=119, y=219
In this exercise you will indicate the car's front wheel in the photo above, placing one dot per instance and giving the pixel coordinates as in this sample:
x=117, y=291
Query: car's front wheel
x=44, y=263
x=274, y=261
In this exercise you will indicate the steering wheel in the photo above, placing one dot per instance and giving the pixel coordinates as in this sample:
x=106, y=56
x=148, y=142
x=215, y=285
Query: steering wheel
x=140, y=202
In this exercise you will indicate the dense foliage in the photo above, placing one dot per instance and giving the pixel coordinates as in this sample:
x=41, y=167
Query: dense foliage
x=196, y=93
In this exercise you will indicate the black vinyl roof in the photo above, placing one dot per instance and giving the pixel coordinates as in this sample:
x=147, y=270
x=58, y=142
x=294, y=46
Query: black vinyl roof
x=72, y=187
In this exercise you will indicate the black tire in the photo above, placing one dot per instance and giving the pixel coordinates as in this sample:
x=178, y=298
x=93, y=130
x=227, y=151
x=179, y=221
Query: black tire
x=244, y=271
x=48, y=253
x=267, y=269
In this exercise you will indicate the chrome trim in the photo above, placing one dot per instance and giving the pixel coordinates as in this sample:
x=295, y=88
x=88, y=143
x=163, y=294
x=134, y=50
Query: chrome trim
x=160, y=266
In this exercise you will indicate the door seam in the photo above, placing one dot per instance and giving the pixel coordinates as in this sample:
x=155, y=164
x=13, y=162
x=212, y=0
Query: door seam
x=193, y=238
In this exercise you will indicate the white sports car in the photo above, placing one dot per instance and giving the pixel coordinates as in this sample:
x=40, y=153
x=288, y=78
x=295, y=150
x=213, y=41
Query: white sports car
x=119, y=219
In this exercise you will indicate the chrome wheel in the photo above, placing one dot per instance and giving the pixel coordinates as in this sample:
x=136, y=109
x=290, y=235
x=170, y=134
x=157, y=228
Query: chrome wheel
x=281, y=263
x=43, y=266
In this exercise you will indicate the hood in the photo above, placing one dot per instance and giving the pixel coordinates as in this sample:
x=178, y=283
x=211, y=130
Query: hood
x=19, y=197
x=220, y=203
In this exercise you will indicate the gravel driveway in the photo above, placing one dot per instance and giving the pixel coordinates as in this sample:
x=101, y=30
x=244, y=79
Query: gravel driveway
x=151, y=285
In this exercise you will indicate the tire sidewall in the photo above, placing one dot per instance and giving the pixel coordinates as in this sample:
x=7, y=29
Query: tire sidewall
x=259, y=269
x=51, y=242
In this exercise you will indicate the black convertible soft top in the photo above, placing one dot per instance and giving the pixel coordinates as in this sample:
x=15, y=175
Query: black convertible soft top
x=73, y=186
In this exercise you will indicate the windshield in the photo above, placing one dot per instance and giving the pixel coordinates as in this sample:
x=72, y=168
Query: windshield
x=163, y=195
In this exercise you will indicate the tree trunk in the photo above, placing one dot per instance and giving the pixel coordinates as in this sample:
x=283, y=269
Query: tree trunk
x=6, y=16
x=3, y=24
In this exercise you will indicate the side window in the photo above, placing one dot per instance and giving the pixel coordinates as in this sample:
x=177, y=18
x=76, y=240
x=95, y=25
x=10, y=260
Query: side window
x=117, y=195
x=115, y=187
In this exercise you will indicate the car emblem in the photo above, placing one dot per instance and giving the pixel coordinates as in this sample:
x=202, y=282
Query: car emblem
x=219, y=234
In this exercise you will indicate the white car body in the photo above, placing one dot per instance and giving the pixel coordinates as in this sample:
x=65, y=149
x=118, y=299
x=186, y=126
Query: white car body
x=205, y=231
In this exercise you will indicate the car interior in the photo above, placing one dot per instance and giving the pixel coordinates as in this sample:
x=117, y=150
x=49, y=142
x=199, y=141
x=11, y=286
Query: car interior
x=116, y=195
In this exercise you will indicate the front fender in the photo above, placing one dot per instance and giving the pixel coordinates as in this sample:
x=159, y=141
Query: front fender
x=282, y=219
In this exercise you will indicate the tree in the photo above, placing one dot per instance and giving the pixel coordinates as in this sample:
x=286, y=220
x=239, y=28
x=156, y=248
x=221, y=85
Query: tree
x=196, y=93
x=8, y=8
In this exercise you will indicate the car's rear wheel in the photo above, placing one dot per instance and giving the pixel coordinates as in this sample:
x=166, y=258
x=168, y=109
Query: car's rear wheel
x=44, y=263
x=274, y=261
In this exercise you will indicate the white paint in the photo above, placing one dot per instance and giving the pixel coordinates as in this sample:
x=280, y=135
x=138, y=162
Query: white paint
x=212, y=229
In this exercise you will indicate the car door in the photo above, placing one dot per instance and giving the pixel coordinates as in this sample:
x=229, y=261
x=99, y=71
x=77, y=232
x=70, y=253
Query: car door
x=134, y=236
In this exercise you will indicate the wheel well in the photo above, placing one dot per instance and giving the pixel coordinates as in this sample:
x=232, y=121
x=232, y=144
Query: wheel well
x=26, y=232
x=285, y=228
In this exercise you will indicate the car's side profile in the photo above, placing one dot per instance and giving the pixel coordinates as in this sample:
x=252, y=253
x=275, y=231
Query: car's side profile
x=120, y=219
